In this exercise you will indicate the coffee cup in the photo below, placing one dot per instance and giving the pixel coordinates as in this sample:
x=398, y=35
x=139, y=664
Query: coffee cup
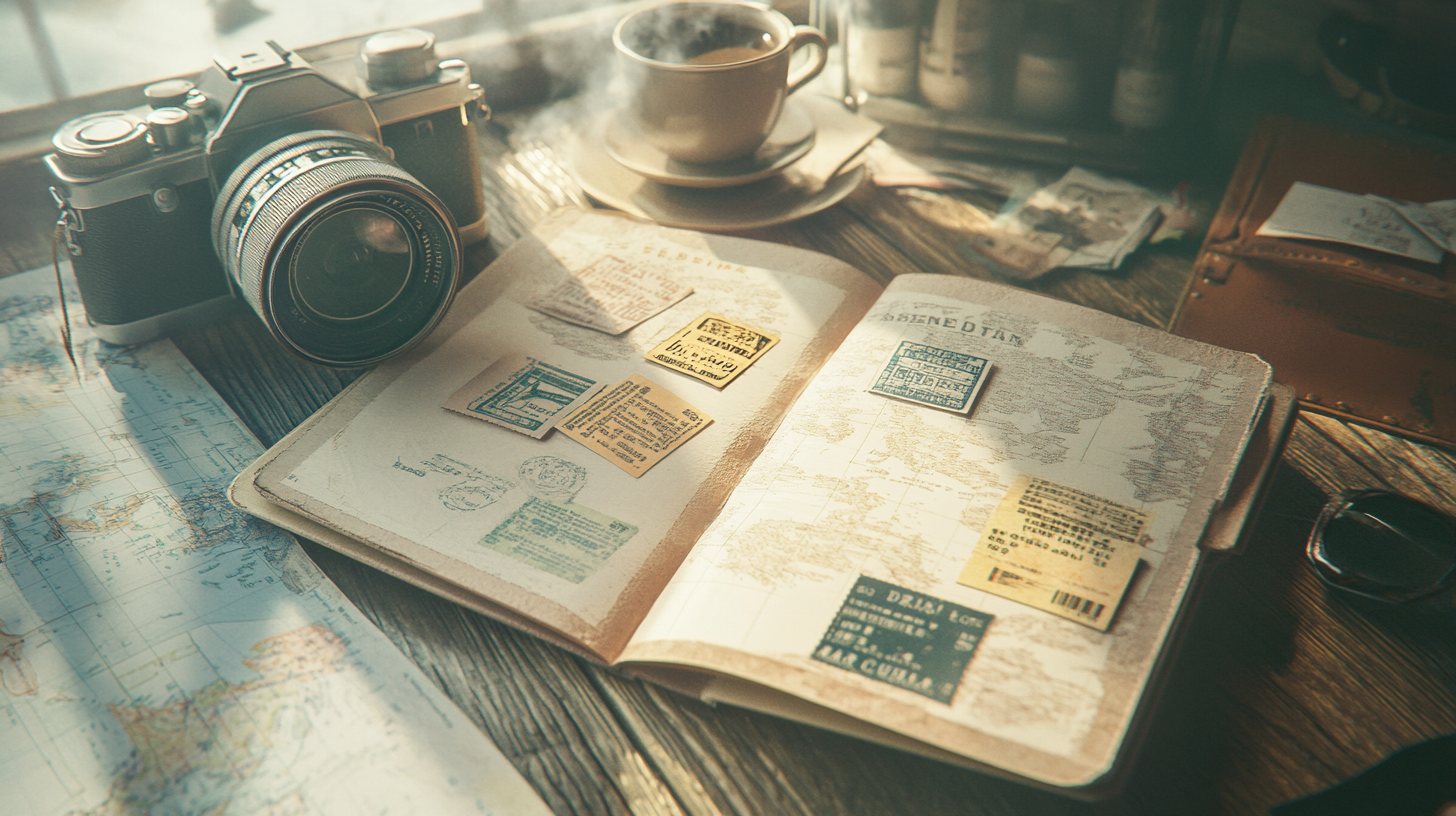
x=707, y=80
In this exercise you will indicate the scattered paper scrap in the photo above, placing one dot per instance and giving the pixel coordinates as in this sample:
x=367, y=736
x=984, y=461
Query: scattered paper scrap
x=904, y=638
x=897, y=167
x=1081, y=220
x=634, y=424
x=1059, y=549
x=611, y=295
x=1436, y=220
x=1312, y=212
x=936, y=377
x=713, y=348
x=523, y=394
x=840, y=139
x=1183, y=217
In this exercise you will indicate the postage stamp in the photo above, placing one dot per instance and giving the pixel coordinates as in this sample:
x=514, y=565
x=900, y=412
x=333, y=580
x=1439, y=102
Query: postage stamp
x=523, y=394
x=907, y=639
x=713, y=348
x=936, y=377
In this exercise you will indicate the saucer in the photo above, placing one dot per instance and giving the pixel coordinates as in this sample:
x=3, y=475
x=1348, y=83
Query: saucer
x=782, y=197
x=791, y=138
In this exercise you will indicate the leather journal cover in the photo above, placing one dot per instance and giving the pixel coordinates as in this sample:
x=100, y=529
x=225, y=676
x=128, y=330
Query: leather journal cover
x=1359, y=334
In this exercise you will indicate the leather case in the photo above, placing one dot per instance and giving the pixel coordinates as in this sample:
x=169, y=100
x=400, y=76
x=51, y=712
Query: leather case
x=1358, y=334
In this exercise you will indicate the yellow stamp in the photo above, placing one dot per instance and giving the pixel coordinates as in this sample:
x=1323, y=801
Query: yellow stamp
x=1059, y=549
x=713, y=348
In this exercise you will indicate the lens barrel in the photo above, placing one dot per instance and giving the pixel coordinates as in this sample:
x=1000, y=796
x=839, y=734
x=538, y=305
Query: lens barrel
x=347, y=258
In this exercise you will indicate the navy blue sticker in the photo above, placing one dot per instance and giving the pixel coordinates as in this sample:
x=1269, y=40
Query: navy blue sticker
x=907, y=639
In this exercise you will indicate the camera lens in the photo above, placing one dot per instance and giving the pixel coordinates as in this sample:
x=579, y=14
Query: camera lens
x=352, y=264
x=346, y=257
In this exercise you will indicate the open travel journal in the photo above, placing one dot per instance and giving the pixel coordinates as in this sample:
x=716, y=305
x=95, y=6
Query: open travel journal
x=947, y=515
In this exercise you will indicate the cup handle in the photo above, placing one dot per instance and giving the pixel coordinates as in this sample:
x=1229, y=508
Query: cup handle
x=808, y=35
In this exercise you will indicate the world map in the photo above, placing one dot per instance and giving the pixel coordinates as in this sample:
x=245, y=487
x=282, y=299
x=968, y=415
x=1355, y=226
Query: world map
x=160, y=651
x=881, y=471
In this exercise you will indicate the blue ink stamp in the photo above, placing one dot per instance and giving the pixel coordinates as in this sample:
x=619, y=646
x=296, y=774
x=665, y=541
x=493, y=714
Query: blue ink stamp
x=936, y=377
x=523, y=394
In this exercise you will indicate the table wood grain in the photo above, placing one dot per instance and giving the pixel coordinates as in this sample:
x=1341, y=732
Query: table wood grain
x=1278, y=688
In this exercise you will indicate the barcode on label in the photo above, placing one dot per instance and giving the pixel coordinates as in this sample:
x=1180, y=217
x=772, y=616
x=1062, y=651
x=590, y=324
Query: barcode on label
x=1082, y=606
x=1001, y=576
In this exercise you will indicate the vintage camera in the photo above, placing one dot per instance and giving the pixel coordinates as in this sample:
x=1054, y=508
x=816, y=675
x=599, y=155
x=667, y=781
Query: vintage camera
x=336, y=206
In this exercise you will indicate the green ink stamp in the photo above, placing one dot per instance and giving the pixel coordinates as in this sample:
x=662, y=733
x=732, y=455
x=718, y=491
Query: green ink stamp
x=936, y=377
x=566, y=540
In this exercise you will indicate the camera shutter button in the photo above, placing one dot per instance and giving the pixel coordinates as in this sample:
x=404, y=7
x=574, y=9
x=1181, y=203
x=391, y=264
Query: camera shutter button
x=400, y=57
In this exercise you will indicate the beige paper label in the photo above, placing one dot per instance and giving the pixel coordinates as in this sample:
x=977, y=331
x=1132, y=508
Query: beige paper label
x=611, y=295
x=713, y=348
x=634, y=424
x=1059, y=549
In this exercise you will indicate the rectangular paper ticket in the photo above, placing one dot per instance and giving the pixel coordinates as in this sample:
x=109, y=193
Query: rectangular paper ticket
x=1058, y=549
x=634, y=424
x=523, y=394
x=713, y=348
x=611, y=295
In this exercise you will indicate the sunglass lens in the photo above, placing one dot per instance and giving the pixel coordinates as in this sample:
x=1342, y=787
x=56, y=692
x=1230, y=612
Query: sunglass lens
x=1386, y=545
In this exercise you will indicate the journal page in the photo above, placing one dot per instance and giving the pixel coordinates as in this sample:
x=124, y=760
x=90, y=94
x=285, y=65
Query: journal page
x=974, y=527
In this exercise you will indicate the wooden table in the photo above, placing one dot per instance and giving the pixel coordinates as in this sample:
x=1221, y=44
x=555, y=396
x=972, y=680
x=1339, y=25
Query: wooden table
x=1279, y=690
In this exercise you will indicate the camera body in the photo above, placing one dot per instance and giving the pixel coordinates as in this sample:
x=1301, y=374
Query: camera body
x=142, y=192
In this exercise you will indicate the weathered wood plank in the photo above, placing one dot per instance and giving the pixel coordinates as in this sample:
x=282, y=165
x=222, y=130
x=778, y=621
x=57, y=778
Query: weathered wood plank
x=742, y=763
x=1404, y=465
x=1281, y=687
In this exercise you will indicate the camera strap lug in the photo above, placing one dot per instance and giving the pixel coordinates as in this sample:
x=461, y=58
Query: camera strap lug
x=479, y=111
x=71, y=221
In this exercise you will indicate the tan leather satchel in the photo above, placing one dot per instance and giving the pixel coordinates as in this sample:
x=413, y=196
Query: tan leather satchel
x=1359, y=334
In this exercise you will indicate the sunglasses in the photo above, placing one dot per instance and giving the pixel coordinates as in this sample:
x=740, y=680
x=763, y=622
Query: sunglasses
x=1384, y=546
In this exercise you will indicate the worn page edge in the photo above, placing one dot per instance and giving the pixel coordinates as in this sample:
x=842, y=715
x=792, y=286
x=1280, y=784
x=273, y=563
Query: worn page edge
x=245, y=495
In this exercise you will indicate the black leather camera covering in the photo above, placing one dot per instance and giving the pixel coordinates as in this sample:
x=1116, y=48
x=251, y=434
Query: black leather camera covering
x=438, y=149
x=169, y=257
